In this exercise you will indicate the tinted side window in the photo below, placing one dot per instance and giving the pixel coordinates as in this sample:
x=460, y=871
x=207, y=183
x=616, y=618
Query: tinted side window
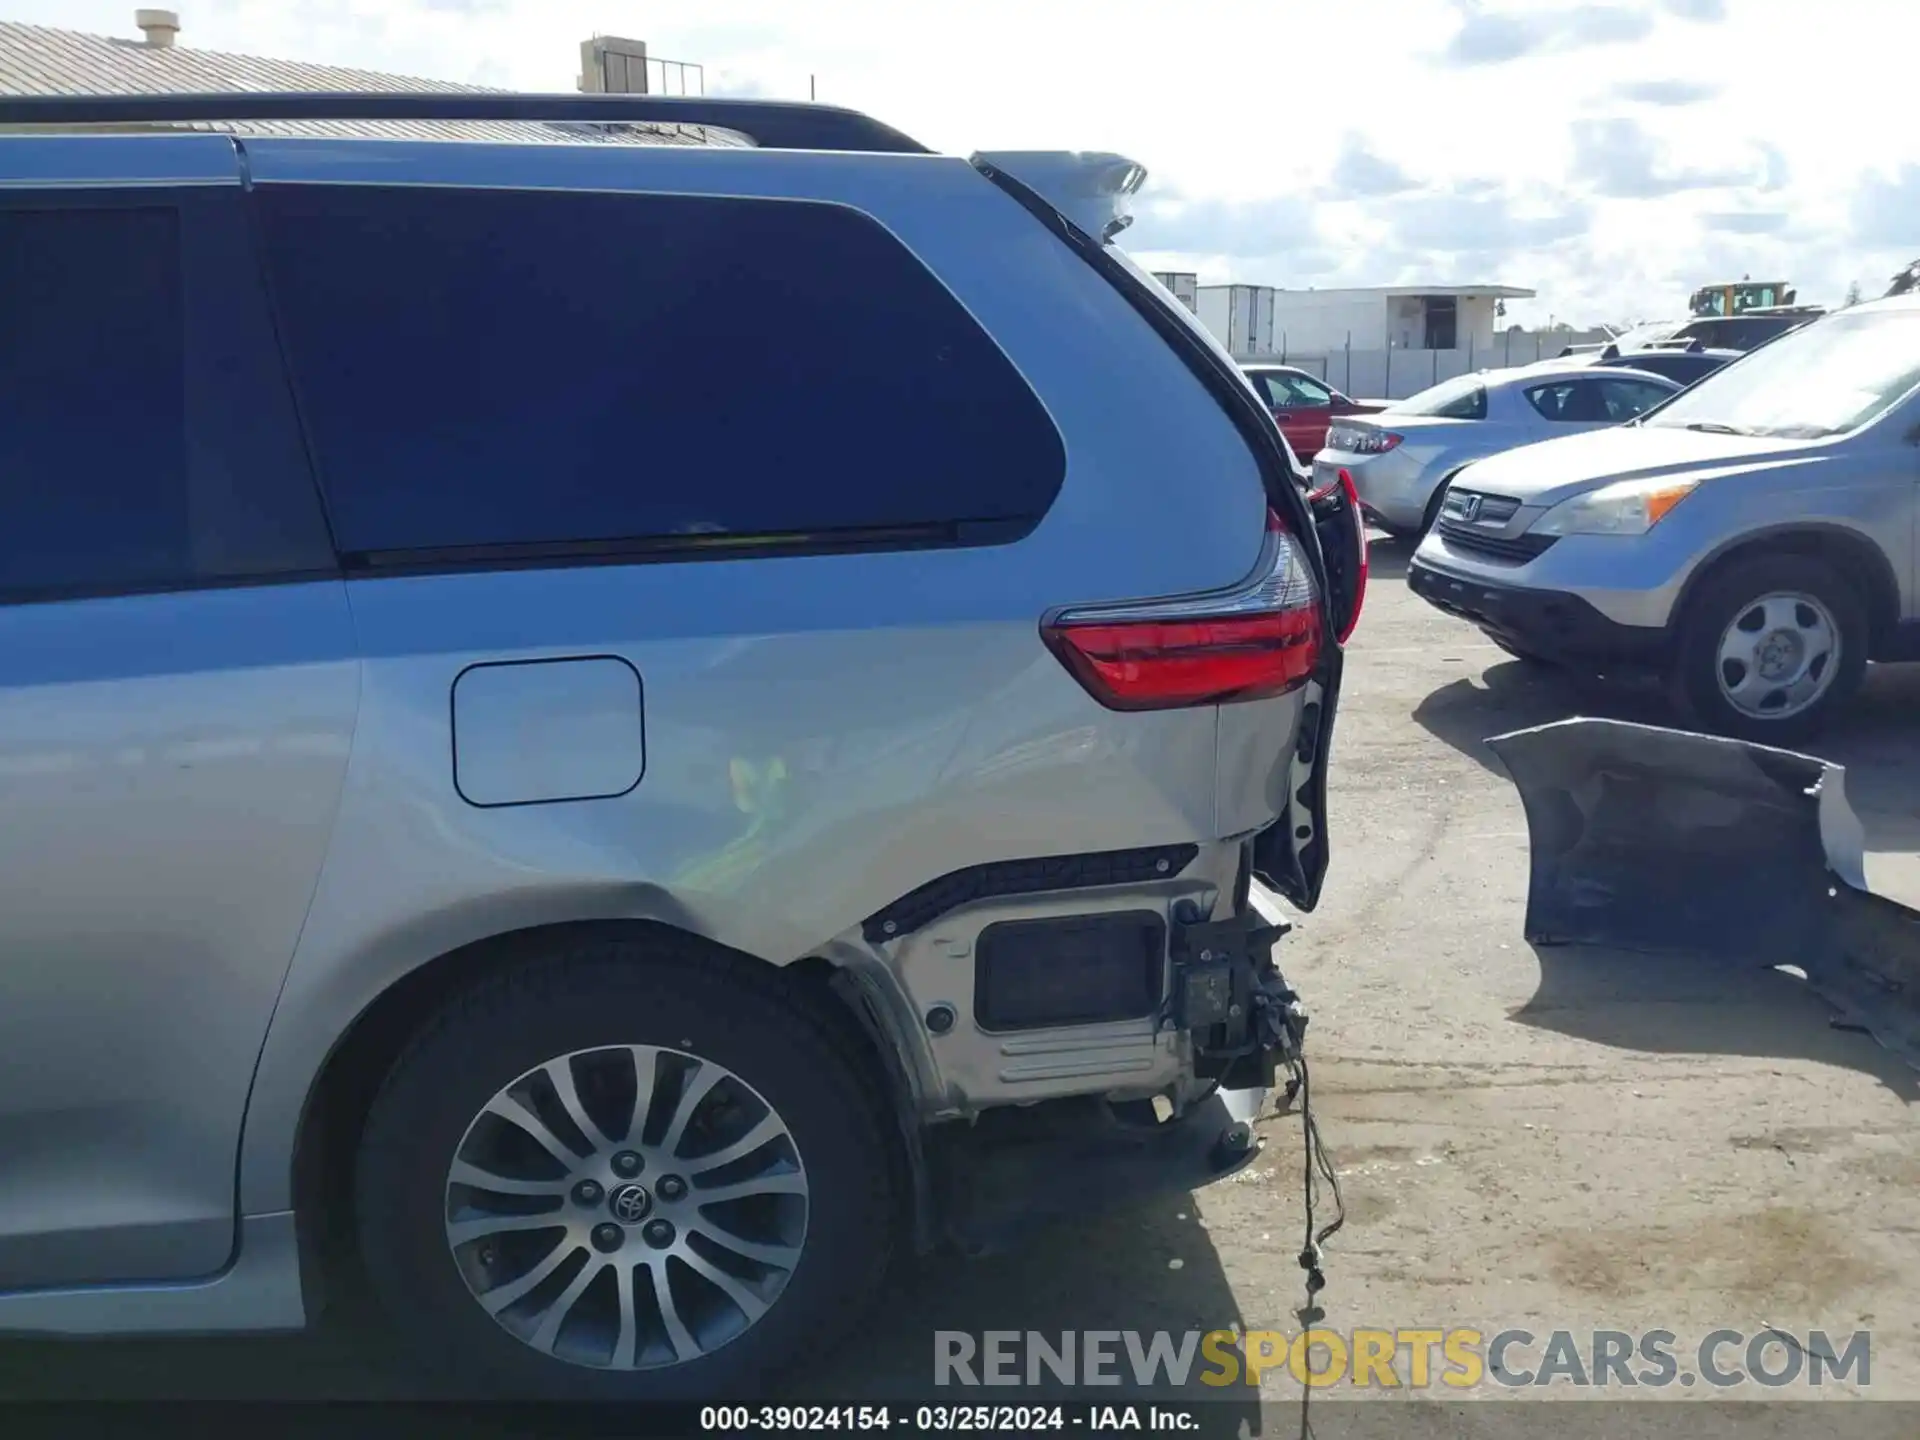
x=1311, y=392
x=1554, y=402
x=1623, y=400
x=1273, y=389
x=93, y=436
x=483, y=368
x=141, y=452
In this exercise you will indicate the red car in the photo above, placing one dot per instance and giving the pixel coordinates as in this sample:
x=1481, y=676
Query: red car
x=1304, y=405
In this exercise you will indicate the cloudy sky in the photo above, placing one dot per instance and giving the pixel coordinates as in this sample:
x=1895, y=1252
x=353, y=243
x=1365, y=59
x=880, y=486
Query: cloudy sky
x=1611, y=154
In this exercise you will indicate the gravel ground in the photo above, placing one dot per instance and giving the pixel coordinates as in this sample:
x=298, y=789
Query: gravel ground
x=1564, y=1140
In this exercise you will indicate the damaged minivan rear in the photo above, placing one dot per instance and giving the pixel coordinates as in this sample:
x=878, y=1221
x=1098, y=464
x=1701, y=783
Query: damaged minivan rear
x=659, y=848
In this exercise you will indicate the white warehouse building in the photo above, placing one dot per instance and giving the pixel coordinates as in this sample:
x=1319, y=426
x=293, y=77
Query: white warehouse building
x=1263, y=320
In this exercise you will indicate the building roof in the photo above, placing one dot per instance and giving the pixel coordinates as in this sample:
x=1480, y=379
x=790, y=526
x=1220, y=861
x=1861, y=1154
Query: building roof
x=1393, y=292
x=1459, y=292
x=41, y=60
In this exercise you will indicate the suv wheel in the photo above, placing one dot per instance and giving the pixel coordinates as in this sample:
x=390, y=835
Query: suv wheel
x=630, y=1170
x=1771, y=649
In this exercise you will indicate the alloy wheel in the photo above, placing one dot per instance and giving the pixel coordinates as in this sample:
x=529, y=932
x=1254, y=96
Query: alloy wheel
x=627, y=1208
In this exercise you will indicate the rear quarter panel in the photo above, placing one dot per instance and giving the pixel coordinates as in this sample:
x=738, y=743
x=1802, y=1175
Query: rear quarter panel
x=822, y=734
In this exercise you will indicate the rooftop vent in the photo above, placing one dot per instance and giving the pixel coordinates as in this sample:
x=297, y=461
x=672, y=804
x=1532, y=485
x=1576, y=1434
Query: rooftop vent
x=160, y=27
x=611, y=66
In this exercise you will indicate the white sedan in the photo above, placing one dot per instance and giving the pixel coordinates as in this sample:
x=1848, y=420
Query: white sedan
x=1402, y=458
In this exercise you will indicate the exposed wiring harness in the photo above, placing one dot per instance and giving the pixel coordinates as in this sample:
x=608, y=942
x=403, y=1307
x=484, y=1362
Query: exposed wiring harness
x=1316, y=1165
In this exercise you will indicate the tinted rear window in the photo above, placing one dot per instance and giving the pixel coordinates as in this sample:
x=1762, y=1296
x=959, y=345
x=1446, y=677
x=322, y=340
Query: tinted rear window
x=1462, y=398
x=1739, y=332
x=516, y=367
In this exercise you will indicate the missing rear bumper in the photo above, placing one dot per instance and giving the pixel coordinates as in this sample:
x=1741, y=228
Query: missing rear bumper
x=1020, y=1169
x=1017, y=1169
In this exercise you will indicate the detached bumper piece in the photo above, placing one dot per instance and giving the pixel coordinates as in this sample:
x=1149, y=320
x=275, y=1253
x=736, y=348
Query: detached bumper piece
x=1020, y=1168
x=1650, y=839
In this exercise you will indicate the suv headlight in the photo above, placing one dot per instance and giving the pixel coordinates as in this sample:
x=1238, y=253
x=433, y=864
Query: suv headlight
x=1628, y=507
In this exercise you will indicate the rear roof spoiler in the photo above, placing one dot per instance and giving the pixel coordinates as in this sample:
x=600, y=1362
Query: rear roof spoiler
x=1092, y=189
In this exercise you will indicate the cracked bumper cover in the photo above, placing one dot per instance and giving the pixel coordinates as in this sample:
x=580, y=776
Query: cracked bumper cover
x=1644, y=838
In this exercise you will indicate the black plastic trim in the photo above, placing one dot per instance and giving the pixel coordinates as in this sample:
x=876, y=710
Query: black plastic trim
x=1500, y=549
x=1122, y=974
x=921, y=907
x=680, y=548
x=1550, y=624
x=772, y=124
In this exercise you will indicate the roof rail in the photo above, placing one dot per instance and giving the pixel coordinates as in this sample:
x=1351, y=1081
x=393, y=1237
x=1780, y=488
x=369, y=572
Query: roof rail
x=771, y=124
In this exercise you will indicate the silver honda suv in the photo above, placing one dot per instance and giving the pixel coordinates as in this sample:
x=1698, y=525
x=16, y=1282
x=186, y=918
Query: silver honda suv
x=603, y=736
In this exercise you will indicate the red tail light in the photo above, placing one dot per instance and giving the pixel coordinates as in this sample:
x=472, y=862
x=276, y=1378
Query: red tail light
x=1256, y=641
x=1360, y=539
x=1361, y=439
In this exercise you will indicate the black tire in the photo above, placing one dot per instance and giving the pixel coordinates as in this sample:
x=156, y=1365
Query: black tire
x=1693, y=683
x=616, y=992
x=1431, y=516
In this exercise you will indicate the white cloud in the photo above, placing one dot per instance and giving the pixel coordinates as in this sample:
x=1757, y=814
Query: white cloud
x=1359, y=171
x=1706, y=11
x=1886, y=209
x=1612, y=154
x=1666, y=92
x=1747, y=222
x=1495, y=36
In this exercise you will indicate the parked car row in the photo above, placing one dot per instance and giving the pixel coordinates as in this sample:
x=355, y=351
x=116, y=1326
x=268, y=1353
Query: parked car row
x=1739, y=524
x=1750, y=543
x=1402, y=457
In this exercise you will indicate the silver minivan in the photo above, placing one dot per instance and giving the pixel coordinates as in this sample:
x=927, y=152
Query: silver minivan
x=609, y=853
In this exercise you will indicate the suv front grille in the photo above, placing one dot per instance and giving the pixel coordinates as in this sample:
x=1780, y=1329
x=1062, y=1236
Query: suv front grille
x=1474, y=507
x=1502, y=550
